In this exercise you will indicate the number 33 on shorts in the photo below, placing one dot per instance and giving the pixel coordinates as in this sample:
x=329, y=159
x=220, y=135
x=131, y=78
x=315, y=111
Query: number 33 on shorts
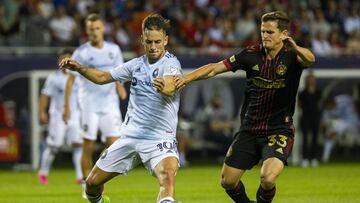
x=279, y=141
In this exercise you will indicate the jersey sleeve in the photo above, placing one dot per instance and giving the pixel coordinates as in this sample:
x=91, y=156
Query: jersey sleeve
x=173, y=68
x=48, y=88
x=236, y=62
x=123, y=72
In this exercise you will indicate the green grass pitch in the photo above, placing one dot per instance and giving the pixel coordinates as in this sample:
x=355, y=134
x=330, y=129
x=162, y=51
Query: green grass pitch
x=333, y=183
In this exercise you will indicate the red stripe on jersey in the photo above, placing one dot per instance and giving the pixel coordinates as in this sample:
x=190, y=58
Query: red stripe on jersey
x=227, y=64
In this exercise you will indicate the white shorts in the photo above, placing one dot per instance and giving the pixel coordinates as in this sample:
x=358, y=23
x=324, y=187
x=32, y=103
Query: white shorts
x=340, y=127
x=126, y=153
x=108, y=123
x=58, y=131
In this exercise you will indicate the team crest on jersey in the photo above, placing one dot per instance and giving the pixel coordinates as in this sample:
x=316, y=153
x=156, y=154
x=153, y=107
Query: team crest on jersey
x=155, y=73
x=281, y=69
x=111, y=55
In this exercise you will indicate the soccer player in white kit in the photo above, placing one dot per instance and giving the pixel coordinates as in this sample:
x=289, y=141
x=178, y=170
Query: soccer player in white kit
x=99, y=105
x=149, y=128
x=53, y=94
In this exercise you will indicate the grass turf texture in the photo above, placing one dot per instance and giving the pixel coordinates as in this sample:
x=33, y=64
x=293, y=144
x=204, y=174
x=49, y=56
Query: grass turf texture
x=197, y=184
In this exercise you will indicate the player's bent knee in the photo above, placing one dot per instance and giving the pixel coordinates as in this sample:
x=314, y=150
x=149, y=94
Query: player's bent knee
x=167, y=176
x=268, y=179
x=228, y=183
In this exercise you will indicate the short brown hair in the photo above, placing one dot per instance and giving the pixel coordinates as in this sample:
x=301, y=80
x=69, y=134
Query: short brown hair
x=279, y=16
x=156, y=22
x=93, y=17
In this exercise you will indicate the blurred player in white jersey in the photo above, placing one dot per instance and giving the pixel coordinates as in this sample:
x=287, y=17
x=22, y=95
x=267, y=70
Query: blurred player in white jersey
x=149, y=128
x=53, y=94
x=99, y=105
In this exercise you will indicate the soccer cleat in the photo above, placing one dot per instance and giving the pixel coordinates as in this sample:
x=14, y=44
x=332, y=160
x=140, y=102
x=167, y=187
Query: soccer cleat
x=105, y=199
x=43, y=179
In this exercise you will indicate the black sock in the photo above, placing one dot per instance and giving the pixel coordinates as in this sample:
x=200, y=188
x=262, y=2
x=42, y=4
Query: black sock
x=238, y=194
x=265, y=196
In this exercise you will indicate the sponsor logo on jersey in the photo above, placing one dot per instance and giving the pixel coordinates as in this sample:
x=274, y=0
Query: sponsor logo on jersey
x=268, y=84
x=136, y=81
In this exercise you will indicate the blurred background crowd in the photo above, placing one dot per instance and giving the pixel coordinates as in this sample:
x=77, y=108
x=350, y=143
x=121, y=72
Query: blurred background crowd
x=329, y=27
x=329, y=105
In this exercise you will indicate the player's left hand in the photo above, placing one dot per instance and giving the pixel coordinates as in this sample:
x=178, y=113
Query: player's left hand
x=289, y=42
x=159, y=83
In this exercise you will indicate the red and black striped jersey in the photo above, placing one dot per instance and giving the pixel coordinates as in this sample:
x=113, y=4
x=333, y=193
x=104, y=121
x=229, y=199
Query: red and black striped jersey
x=271, y=90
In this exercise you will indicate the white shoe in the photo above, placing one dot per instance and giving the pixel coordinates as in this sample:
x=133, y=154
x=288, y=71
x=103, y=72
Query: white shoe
x=314, y=163
x=305, y=163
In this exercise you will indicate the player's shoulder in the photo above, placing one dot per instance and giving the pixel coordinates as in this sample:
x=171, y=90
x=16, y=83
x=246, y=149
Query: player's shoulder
x=83, y=47
x=171, y=58
x=111, y=45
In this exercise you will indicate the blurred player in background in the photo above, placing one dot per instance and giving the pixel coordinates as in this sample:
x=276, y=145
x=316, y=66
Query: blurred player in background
x=52, y=95
x=99, y=105
x=273, y=71
x=149, y=130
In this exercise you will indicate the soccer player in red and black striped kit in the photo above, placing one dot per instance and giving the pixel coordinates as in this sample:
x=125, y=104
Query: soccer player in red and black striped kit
x=273, y=71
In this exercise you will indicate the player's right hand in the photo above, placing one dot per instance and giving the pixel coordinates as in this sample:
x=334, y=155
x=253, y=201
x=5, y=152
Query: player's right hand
x=68, y=63
x=44, y=118
x=66, y=114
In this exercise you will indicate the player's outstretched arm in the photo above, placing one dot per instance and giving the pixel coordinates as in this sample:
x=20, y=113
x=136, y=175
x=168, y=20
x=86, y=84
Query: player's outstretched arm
x=97, y=76
x=304, y=56
x=204, y=72
x=165, y=85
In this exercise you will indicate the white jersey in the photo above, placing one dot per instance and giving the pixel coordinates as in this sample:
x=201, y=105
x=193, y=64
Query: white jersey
x=150, y=115
x=93, y=97
x=54, y=87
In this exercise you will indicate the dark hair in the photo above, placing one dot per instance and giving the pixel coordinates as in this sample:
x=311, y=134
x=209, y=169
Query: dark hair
x=93, y=17
x=64, y=51
x=156, y=22
x=279, y=16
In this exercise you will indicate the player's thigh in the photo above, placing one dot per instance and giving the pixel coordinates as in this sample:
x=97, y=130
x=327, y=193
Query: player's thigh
x=110, y=123
x=271, y=169
x=278, y=146
x=56, y=131
x=89, y=124
x=152, y=152
x=120, y=157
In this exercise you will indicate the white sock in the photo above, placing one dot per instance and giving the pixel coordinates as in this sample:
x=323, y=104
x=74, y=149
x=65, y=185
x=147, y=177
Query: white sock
x=76, y=155
x=47, y=159
x=94, y=199
x=166, y=200
x=328, y=145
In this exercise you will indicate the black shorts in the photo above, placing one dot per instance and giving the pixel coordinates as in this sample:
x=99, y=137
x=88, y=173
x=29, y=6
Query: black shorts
x=247, y=149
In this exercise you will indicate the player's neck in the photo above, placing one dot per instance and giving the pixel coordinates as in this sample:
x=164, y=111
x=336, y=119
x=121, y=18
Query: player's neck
x=98, y=44
x=152, y=61
x=272, y=53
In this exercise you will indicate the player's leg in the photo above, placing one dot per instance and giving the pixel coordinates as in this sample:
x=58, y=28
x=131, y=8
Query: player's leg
x=161, y=158
x=240, y=157
x=270, y=170
x=119, y=158
x=275, y=151
x=165, y=172
x=95, y=184
x=74, y=136
x=89, y=125
x=54, y=140
x=110, y=126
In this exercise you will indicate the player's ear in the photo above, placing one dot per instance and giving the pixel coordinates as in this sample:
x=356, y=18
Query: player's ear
x=285, y=32
x=166, y=40
x=142, y=40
